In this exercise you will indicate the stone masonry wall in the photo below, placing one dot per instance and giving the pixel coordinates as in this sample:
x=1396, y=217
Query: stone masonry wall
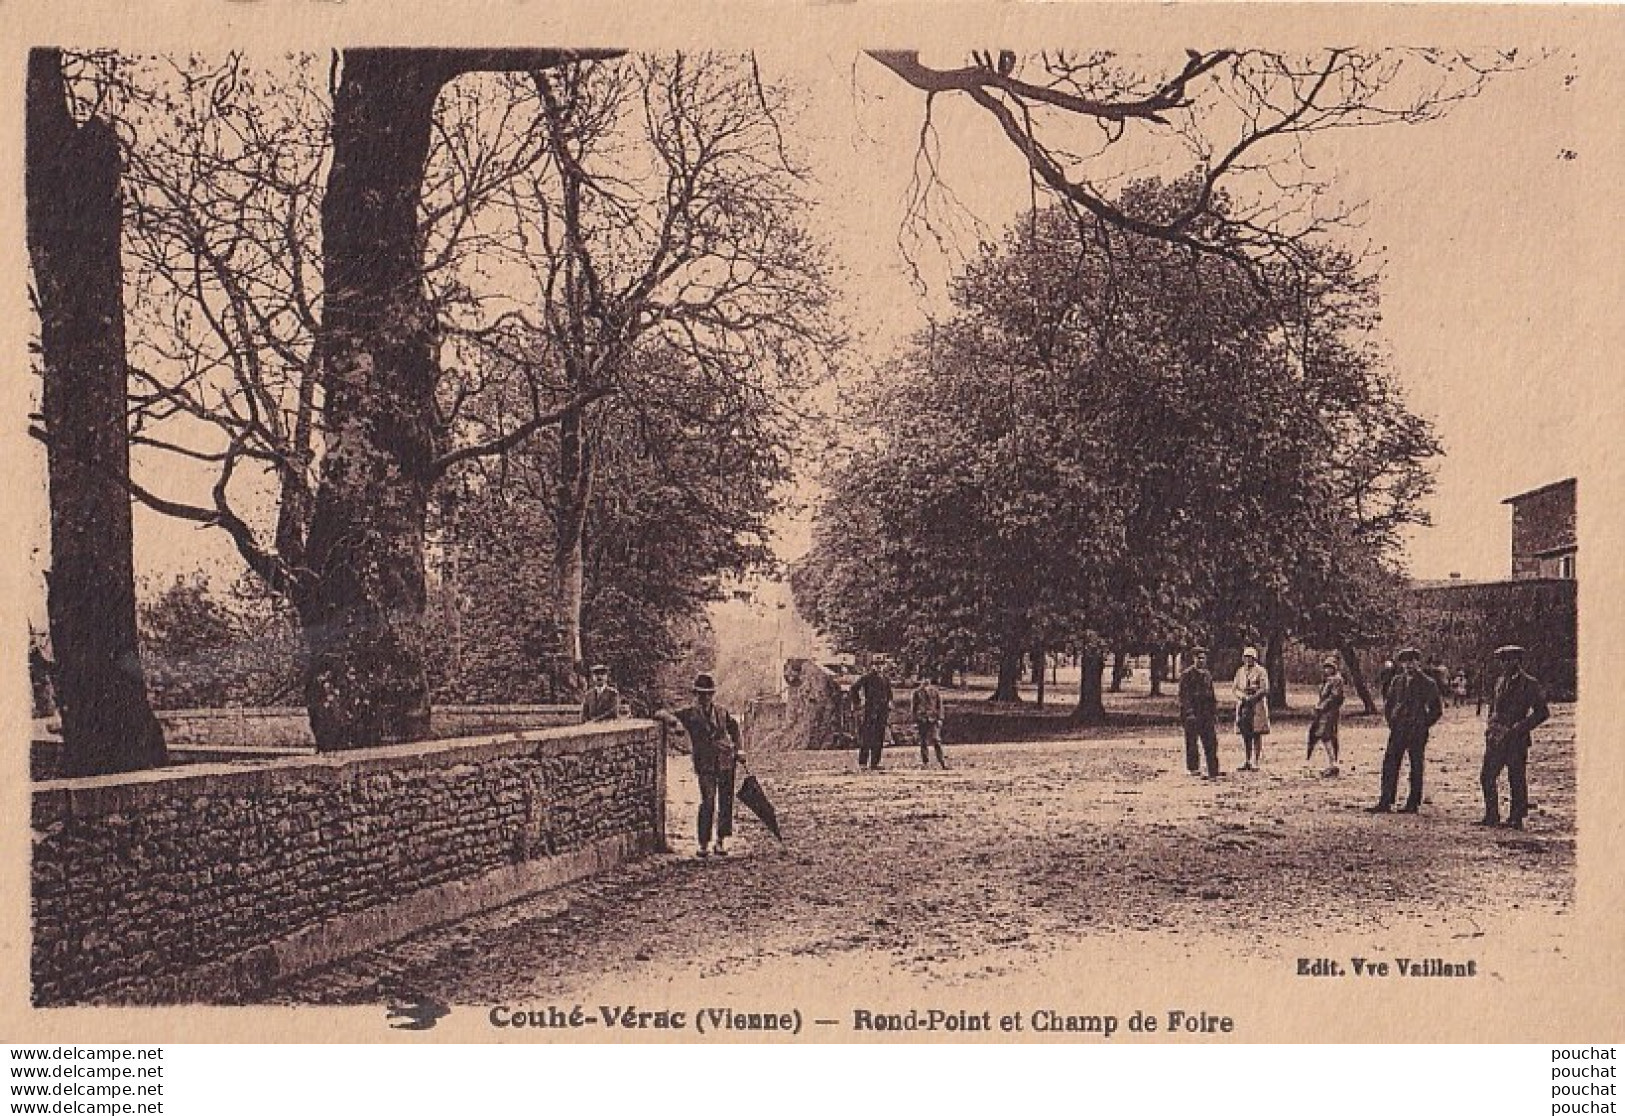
x=209, y=882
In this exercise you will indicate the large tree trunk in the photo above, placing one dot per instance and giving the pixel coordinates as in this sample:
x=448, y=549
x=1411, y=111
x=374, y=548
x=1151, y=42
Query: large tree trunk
x=1008, y=687
x=1275, y=667
x=363, y=613
x=1119, y=670
x=569, y=556
x=1159, y=667
x=1351, y=663
x=1091, y=709
x=74, y=220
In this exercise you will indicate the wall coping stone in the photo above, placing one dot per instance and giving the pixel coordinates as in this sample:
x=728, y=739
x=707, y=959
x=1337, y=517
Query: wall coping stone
x=94, y=795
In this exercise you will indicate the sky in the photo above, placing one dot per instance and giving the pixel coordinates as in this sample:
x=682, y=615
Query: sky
x=1479, y=217
x=1482, y=218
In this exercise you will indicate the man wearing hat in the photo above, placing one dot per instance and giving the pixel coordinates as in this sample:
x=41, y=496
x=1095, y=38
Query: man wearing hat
x=1517, y=706
x=1411, y=705
x=1199, y=709
x=603, y=701
x=872, y=696
x=716, y=751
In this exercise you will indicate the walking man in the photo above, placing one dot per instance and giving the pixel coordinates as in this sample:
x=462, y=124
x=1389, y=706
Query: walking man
x=1199, y=710
x=872, y=696
x=926, y=705
x=1517, y=706
x=1252, y=708
x=1411, y=706
x=716, y=749
x=603, y=701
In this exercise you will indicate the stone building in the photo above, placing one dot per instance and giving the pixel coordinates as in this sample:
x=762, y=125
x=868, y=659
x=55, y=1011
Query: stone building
x=1543, y=538
x=1460, y=622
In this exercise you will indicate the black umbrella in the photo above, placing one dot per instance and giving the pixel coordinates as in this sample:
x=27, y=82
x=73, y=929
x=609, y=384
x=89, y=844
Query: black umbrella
x=1314, y=737
x=755, y=799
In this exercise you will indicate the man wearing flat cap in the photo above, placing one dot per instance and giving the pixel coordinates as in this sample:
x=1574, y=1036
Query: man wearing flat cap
x=603, y=701
x=1517, y=707
x=1411, y=705
x=716, y=751
x=1199, y=710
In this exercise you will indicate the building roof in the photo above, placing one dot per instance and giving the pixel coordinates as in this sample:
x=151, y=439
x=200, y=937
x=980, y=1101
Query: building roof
x=1566, y=482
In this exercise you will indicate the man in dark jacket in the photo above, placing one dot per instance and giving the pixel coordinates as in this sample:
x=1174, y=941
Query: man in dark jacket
x=603, y=701
x=1199, y=710
x=872, y=696
x=1411, y=705
x=716, y=750
x=1517, y=706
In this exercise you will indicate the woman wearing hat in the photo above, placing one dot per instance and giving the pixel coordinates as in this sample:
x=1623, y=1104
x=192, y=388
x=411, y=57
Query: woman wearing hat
x=1328, y=712
x=1252, y=708
x=716, y=751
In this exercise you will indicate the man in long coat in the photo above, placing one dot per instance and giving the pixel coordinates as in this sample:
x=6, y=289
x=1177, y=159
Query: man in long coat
x=716, y=749
x=1411, y=705
x=1517, y=706
x=872, y=695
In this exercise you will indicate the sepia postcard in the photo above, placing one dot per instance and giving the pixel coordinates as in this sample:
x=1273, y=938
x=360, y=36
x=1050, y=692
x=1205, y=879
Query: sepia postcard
x=778, y=522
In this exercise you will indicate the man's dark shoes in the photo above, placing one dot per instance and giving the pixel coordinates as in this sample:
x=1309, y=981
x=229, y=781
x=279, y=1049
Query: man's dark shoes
x=1488, y=823
x=1379, y=808
x=1409, y=808
x=1513, y=823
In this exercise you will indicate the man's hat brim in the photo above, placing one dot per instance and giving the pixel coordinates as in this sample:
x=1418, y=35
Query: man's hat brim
x=1509, y=650
x=1408, y=653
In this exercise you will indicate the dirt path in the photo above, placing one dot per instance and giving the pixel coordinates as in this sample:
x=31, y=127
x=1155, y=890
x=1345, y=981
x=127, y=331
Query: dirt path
x=1013, y=864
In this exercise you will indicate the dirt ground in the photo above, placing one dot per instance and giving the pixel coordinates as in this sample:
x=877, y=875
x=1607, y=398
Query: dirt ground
x=1016, y=863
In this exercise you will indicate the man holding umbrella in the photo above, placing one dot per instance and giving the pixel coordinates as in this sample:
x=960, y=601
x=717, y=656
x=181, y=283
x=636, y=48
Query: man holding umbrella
x=716, y=750
x=1517, y=706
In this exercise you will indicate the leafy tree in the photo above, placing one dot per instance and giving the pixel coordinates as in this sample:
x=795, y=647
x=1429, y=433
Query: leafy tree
x=1122, y=440
x=210, y=649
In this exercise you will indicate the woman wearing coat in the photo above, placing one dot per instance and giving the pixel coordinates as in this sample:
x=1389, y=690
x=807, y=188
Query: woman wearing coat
x=1252, y=708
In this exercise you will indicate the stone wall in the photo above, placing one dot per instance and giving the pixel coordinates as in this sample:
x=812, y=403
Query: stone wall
x=248, y=735
x=210, y=882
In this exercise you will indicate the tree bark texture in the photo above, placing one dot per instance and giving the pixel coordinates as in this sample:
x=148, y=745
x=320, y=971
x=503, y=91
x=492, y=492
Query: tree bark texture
x=362, y=602
x=1091, y=708
x=572, y=498
x=1351, y=663
x=1119, y=670
x=1159, y=668
x=74, y=220
x=1010, y=661
x=1275, y=667
x=363, y=611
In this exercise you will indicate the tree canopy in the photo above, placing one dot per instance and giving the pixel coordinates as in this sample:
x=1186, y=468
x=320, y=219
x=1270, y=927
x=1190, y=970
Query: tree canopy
x=1119, y=435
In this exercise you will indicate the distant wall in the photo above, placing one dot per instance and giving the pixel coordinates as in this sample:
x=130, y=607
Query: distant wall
x=210, y=882
x=234, y=735
x=1462, y=624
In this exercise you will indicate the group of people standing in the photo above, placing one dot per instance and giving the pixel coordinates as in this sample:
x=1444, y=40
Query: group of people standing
x=871, y=697
x=1412, y=700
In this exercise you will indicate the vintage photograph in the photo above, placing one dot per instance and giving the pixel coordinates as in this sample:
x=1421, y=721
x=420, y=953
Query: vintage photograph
x=868, y=542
